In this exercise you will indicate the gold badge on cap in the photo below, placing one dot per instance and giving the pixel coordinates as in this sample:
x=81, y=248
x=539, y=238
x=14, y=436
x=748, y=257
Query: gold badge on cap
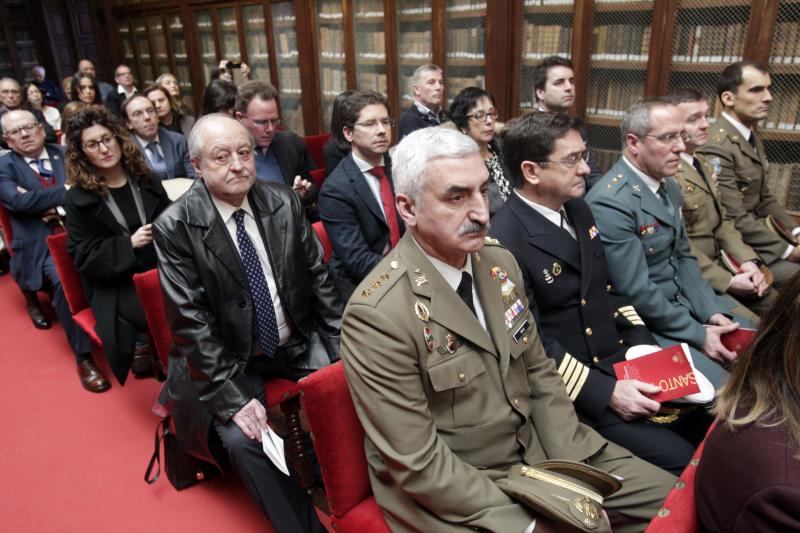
x=588, y=511
x=421, y=311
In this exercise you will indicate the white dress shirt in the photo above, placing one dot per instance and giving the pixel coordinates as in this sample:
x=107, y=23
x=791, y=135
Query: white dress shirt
x=549, y=214
x=374, y=184
x=226, y=211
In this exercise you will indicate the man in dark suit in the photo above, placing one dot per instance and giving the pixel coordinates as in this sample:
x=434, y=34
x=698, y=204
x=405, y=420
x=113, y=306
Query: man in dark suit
x=86, y=66
x=51, y=92
x=356, y=203
x=32, y=181
x=280, y=156
x=554, y=91
x=427, y=83
x=247, y=296
x=124, y=90
x=165, y=151
x=585, y=325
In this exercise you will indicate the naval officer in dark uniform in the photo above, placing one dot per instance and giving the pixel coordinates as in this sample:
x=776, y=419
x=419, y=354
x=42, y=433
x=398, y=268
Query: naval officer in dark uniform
x=585, y=325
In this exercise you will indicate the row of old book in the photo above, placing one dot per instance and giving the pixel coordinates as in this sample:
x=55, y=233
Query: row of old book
x=540, y=41
x=620, y=42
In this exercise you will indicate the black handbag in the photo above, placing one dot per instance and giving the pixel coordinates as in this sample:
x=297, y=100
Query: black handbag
x=183, y=469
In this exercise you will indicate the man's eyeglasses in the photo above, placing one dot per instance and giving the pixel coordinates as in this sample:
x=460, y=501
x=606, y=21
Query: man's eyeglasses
x=372, y=124
x=273, y=122
x=480, y=116
x=572, y=160
x=226, y=158
x=105, y=140
x=672, y=138
x=27, y=128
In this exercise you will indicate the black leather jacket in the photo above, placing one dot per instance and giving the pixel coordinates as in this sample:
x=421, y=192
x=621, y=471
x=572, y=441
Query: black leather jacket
x=210, y=309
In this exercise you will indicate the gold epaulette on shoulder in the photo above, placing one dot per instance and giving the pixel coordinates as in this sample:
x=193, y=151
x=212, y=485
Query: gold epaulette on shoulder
x=380, y=279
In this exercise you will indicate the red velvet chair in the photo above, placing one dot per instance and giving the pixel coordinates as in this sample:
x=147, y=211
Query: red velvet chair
x=315, y=144
x=72, y=285
x=318, y=177
x=278, y=391
x=323, y=238
x=339, y=443
x=677, y=514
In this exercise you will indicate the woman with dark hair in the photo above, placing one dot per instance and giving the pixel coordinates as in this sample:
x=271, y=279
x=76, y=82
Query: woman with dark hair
x=474, y=114
x=85, y=89
x=167, y=110
x=110, y=206
x=337, y=146
x=33, y=98
x=219, y=97
x=748, y=478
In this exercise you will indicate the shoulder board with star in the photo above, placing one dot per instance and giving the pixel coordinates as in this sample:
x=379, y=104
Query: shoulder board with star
x=718, y=135
x=382, y=277
x=616, y=182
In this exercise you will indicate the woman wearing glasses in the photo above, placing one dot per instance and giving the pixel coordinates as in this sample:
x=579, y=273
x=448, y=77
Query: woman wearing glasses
x=85, y=89
x=474, y=114
x=110, y=207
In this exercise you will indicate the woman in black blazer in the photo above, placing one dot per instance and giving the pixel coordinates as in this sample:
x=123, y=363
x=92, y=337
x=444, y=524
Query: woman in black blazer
x=110, y=206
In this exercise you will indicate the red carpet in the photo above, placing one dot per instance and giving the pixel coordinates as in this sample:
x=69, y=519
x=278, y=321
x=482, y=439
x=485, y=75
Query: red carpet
x=74, y=461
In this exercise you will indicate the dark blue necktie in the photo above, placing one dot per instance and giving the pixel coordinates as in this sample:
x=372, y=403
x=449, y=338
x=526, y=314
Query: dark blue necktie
x=262, y=300
x=46, y=175
x=157, y=162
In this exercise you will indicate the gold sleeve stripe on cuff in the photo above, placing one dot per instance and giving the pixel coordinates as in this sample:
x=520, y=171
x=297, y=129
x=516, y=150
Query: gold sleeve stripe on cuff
x=579, y=385
x=567, y=367
x=575, y=377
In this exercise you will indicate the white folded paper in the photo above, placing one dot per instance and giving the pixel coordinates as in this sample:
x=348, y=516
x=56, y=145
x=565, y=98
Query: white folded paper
x=273, y=448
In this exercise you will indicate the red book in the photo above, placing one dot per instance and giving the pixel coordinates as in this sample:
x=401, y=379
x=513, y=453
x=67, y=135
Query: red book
x=668, y=368
x=739, y=339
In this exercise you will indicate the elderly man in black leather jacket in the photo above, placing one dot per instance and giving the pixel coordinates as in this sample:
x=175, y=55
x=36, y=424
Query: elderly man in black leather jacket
x=248, y=296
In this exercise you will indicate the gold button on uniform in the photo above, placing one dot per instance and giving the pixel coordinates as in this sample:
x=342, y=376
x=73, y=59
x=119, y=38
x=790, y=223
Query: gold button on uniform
x=462, y=376
x=583, y=301
x=608, y=288
x=516, y=402
x=588, y=332
x=616, y=314
x=596, y=360
x=525, y=339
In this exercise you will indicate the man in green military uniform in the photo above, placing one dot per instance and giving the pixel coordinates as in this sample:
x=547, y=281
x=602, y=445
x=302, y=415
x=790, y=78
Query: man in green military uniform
x=638, y=212
x=737, y=156
x=710, y=232
x=447, y=374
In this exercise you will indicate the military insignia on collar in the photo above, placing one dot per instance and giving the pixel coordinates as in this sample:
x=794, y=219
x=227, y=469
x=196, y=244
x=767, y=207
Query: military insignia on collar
x=428, y=336
x=421, y=311
x=636, y=188
x=547, y=277
x=649, y=229
x=420, y=278
x=507, y=287
x=593, y=232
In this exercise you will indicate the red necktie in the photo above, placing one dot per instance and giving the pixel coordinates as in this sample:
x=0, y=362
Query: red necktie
x=387, y=199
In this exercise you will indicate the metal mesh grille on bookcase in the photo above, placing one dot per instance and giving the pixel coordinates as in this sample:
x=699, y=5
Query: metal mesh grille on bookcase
x=546, y=31
x=205, y=37
x=126, y=47
x=781, y=130
x=283, y=23
x=142, y=49
x=158, y=45
x=180, y=58
x=619, y=48
x=370, y=45
x=414, y=44
x=465, y=46
x=706, y=39
x=332, y=72
x=255, y=40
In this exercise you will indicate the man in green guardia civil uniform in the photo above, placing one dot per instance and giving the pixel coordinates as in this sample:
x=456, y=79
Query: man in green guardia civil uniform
x=710, y=232
x=737, y=154
x=446, y=370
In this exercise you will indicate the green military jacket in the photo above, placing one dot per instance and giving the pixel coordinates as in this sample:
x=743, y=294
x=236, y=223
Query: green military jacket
x=448, y=406
x=706, y=225
x=741, y=175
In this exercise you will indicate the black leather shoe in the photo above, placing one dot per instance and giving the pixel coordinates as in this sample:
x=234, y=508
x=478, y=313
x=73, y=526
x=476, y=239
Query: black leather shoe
x=91, y=378
x=40, y=320
x=142, y=363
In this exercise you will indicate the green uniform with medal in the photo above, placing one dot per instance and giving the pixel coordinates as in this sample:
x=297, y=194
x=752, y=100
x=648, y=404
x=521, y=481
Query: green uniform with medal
x=449, y=407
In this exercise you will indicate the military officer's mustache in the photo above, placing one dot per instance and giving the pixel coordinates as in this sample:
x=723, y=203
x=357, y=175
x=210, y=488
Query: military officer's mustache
x=471, y=226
